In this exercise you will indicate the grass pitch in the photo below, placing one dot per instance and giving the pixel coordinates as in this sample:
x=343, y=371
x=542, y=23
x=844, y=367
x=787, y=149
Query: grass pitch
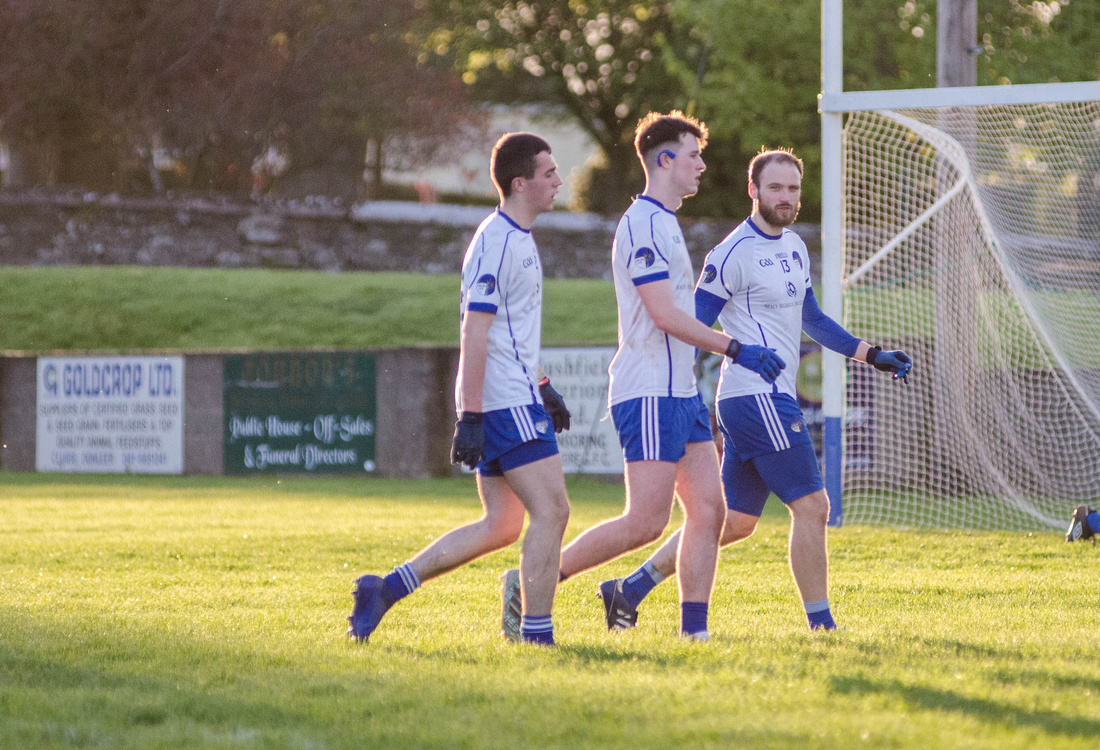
x=156, y=612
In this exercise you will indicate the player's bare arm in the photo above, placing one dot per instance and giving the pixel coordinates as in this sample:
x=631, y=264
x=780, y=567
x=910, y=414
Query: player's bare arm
x=658, y=299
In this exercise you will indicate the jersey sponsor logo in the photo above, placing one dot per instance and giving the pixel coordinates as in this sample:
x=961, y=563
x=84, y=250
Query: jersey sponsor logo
x=765, y=262
x=644, y=257
x=486, y=285
x=529, y=261
x=677, y=239
x=709, y=273
x=791, y=291
x=797, y=258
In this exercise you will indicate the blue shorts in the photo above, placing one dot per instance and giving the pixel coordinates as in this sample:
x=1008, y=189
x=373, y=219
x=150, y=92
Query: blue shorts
x=516, y=437
x=658, y=428
x=766, y=448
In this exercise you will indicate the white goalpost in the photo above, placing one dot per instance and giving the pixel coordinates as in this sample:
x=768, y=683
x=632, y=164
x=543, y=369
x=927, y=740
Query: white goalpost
x=963, y=226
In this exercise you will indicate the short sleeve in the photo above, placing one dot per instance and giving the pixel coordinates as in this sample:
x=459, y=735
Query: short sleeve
x=709, y=280
x=721, y=274
x=647, y=259
x=483, y=291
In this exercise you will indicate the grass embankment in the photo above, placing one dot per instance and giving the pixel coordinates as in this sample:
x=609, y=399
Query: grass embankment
x=128, y=308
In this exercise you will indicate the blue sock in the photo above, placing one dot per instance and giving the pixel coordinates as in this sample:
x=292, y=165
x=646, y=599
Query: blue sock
x=819, y=615
x=402, y=581
x=638, y=584
x=1094, y=521
x=538, y=630
x=693, y=617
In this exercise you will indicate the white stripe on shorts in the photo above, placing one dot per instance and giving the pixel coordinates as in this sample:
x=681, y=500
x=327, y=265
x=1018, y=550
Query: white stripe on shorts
x=523, y=421
x=651, y=430
x=778, y=435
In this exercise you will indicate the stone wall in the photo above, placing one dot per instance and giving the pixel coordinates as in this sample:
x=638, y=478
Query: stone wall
x=46, y=229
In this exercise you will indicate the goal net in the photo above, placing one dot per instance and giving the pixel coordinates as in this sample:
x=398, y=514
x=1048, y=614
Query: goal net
x=972, y=241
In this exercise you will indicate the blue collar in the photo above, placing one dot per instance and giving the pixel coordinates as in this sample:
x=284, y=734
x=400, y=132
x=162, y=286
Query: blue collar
x=762, y=233
x=508, y=219
x=655, y=201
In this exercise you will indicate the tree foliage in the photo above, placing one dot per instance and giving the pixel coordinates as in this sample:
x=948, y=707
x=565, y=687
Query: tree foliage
x=605, y=61
x=215, y=82
x=610, y=61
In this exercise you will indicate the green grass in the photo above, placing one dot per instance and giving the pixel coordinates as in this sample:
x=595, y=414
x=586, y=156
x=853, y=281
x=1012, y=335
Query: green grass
x=117, y=308
x=168, y=612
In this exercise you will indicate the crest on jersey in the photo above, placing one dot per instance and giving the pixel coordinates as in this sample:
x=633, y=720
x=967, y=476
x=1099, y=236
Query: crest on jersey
x=486, y=284
x=798, y=258
x=796, y=426
x=644, y=257
x=542, y=426
x=709, y=272
x=791, y=291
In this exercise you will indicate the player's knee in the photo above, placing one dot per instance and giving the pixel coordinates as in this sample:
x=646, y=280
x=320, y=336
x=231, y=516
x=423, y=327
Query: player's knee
x=504, y=530
x=712, y=514
x=556, y=513
x=738, y=529
x=648, y=530
x=811, y=509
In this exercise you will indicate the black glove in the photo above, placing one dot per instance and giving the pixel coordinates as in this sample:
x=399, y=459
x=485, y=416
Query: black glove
x=554, y=405
x=899, y=363
x=468, y=445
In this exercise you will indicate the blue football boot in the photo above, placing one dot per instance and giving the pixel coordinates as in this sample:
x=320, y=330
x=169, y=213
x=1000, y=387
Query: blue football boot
x=618, y=612
x=372, y=599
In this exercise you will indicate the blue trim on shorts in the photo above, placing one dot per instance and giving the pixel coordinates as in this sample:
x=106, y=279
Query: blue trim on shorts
x=766, y=448
x=762, y=423
x=658, y=428
x=516, y=437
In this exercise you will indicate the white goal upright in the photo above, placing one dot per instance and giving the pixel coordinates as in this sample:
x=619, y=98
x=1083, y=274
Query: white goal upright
x=963, y=226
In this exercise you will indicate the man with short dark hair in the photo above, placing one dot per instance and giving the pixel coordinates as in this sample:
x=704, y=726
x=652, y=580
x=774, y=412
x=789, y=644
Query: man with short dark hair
x=507, y=414
x=756, y=283
x=663, y=424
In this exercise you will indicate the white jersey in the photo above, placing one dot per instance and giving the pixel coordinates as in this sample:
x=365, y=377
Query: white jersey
x=649, y=246
x=502, y=274
x=763, y=279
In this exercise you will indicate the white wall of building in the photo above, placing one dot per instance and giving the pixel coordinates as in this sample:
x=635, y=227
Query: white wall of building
x=469, y=175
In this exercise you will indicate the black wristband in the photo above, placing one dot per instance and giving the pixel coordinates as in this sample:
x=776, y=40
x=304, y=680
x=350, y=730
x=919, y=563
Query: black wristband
x=470, y=417
x=872, y=354
x=733, y=349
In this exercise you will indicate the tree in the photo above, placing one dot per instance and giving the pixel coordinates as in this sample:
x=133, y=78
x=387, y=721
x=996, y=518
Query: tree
x=212, y=83
x=352, y=85
x=763, y=71
x=606, y=61
x=100, y=83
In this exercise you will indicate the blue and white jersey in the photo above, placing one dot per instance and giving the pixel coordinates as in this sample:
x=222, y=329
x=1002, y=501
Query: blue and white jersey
x=649, y=246
x=502, y=274
x=763, y=279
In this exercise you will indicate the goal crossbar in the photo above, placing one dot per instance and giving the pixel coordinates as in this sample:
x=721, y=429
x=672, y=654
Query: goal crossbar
x=959, y=96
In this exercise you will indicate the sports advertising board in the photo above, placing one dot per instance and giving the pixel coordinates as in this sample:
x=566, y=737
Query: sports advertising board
x=591, y=445
x=110, y=415
x=310, y=413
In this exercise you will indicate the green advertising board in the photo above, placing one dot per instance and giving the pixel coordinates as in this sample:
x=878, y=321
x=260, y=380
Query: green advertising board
x=300, y=413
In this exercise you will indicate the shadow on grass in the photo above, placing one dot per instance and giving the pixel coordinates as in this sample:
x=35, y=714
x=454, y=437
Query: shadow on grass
x=947, y=701
x=580, y=654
